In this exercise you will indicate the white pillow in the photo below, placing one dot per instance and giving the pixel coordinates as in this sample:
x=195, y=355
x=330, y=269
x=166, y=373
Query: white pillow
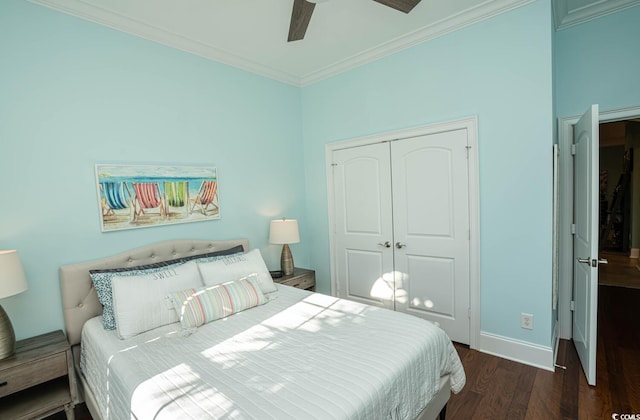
x=139, y=302
x=235, y=267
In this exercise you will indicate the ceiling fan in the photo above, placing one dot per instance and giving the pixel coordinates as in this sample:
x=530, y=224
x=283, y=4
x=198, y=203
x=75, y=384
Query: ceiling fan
x=303, y=9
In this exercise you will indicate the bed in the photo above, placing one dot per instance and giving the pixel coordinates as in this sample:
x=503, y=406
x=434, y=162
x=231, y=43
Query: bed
x=295, y=355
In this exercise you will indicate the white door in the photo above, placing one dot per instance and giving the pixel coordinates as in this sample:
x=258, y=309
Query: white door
x=401, y=234
x=585, y=241
x=431, y=229
x=363, y=224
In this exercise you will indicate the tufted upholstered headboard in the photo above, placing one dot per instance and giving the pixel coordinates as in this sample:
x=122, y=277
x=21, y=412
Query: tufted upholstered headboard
x=79, y=299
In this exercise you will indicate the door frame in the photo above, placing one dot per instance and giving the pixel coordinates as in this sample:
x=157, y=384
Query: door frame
x=565, y=140
x=471, y=125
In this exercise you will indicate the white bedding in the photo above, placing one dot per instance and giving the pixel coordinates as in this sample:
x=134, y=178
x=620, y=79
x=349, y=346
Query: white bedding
x=299, y=356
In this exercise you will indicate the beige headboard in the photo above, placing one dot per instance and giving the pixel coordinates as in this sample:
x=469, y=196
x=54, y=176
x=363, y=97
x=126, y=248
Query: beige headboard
x=79, y=298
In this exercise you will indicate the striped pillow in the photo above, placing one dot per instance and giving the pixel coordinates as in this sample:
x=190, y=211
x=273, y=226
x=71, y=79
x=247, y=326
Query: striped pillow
x=196, y=307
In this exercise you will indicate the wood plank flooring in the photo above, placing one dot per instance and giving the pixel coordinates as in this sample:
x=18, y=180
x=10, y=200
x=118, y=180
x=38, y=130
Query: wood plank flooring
x=501, y=389
x=621, y=270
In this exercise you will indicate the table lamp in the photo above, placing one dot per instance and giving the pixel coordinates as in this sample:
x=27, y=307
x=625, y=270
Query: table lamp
x=285, y=231
x=12, y=282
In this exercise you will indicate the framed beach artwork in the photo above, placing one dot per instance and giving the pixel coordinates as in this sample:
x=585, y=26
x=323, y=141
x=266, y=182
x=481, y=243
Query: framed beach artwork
x=134, y=196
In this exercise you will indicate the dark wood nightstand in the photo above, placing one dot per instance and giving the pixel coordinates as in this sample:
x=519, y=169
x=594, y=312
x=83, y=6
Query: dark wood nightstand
x=301, y=278
x=38, y=380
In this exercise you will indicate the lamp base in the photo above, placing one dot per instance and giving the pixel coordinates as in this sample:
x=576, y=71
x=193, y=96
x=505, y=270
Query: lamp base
x=7, y=335
x=286, y=261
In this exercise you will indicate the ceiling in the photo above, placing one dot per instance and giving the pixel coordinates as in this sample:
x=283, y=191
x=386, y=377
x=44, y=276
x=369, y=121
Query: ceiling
x=252, y=34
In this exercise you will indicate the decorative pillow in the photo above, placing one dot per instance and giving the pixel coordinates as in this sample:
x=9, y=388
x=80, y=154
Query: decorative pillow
x=236, y=266
x=196, y=307
x=139, y=301
x=102, y=278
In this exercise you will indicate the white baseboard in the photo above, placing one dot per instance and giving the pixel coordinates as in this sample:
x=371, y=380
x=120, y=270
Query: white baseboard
x=519, y=351
x=635, y=253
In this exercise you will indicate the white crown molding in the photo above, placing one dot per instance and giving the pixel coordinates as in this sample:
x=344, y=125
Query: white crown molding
x=483, y=11
x=135, y=27
x=565, y=18
x=92, y=13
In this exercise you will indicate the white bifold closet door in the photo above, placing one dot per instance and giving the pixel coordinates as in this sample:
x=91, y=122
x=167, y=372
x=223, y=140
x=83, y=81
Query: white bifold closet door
x=401, y=237
x=363, y=237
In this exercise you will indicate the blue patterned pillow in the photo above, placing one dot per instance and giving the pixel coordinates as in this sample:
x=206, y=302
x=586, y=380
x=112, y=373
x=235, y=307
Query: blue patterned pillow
x=102, y=278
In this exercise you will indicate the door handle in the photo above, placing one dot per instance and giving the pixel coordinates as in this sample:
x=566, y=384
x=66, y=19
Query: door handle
x=593, y=262
x=387, y=244
x=400, y=245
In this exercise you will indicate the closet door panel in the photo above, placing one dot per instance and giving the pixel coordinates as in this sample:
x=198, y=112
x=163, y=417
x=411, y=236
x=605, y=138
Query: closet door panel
x=363, y=224
x=431, y=229
x=363, y=271
x=426, y=216
x=434, y=292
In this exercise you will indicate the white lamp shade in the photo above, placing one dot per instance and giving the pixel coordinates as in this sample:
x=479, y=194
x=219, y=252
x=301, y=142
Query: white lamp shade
x=284, y=231
x=12, y=278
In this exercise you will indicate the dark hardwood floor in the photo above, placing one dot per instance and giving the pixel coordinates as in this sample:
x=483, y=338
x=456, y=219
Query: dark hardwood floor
x=621, y=271
x=501, y=389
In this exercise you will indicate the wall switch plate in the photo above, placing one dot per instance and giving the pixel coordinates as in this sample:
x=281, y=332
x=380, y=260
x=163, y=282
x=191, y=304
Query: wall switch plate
x=526, y=321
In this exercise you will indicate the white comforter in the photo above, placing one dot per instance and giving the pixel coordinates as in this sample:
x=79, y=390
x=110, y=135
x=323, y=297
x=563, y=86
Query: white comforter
x=300, y=356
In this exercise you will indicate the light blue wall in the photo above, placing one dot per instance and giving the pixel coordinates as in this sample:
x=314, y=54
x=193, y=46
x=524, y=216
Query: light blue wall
x=73, y=93
x=598, y=62
x=501, y=71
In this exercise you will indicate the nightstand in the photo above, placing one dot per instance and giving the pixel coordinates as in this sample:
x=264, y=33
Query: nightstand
x=301, y=278
x=38, y=380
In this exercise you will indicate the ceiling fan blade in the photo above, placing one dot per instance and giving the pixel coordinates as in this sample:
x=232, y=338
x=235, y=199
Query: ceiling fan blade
x=300, y=17
x=401, y=5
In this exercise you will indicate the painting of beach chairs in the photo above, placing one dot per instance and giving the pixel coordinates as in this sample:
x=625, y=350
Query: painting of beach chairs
x=134, y=196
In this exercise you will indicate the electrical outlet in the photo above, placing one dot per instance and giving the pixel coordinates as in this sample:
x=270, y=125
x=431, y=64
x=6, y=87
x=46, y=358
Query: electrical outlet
x=526, y=321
